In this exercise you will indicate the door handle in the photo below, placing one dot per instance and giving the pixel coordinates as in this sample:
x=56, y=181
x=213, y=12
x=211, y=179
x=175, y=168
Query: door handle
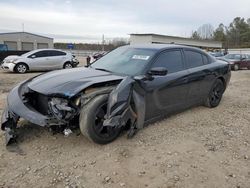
x=185, y=80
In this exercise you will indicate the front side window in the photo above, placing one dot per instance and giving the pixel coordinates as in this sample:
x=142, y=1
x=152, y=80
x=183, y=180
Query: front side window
x=171, y=60
x=40, y=54
x=193, y=59
x=125, y=60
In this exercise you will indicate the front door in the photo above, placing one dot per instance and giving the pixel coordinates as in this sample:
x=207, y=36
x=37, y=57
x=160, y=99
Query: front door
x=40, y=60
x=167, y=93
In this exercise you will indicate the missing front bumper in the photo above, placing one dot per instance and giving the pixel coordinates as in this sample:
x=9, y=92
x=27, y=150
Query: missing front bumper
x=16, y=109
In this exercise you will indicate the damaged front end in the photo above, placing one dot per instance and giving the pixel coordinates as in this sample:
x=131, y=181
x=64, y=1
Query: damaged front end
x=36, y=108
x=126, y=103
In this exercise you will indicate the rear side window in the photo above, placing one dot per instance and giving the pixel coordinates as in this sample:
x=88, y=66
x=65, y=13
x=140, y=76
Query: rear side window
x=205, y=59
x=194, y=59
x=171, y=60
x=56, y=53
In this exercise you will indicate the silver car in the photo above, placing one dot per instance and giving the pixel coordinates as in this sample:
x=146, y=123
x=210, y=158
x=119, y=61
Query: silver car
x=40, y=60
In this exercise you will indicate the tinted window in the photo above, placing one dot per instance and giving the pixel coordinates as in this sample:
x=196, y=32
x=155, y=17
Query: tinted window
x=40, y=54
x=171, y=60
x=194, y=59
x=56, y=53
x=205, y=59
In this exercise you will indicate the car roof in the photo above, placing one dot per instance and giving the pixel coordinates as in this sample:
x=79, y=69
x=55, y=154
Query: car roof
x=161, y=46
x=38, y=50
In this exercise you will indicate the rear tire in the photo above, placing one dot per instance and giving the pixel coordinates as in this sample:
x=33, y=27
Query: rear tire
x=21, y=68
x=67, y=65
x=215, y=95
x=91, y=121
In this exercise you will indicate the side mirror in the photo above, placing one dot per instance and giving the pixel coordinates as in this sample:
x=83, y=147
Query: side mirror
x=33, y=56
x=158, y=71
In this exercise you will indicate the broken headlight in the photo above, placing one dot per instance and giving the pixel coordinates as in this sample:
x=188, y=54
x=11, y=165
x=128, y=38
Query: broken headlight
x=61, y=109
x=77, y=101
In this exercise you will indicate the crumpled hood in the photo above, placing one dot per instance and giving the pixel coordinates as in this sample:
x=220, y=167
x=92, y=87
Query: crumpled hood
x=70, y=81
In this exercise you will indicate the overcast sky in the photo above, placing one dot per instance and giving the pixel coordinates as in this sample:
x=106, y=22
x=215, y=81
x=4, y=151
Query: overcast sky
x=86, y=21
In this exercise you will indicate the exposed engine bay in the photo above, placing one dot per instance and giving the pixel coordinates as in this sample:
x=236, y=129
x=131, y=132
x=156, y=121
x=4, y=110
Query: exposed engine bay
x=60, y=111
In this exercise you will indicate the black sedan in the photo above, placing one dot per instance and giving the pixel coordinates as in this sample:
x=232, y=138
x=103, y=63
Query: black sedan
x=124, y=90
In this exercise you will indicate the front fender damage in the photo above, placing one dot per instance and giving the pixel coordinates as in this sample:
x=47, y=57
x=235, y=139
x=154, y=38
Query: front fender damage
x=126, y=103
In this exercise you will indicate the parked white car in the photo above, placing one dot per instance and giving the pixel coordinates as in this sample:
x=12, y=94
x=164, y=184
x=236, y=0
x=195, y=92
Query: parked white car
x=40, y=60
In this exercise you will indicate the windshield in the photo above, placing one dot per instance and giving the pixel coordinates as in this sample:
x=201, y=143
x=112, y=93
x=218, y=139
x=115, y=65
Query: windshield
x=27, y=53
x=233, y=56
x=125, y=60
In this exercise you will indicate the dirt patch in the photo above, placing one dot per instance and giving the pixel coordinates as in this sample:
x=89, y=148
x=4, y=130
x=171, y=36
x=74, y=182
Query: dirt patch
x=200, y=147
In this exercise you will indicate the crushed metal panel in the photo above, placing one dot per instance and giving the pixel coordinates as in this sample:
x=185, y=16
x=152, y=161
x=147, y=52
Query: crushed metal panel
x=119, y=110
x=140, y=109
x=8, y=124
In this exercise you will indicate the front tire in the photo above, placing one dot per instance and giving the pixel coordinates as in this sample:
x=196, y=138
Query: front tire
x=215, y=95
x=91, y=121
x=67, y=65
x=21, y=68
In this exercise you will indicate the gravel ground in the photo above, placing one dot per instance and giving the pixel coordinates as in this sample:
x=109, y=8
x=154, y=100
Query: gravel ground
x=200, y=147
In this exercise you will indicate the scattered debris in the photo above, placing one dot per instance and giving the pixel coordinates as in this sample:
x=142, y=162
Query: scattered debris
x=122, y=184
x=107, y=179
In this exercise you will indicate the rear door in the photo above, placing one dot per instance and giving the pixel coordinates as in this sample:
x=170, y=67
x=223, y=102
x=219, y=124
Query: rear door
x=57, y=58
x=200, y=75
x=168, y=93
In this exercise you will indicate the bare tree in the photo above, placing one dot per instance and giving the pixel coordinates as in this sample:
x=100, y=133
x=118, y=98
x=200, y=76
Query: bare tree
x=206, y=31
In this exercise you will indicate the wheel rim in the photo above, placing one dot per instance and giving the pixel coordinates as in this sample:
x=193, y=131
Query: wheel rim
x=21, y=68
x=68, y=66
x=216, y=93
x=100, y=130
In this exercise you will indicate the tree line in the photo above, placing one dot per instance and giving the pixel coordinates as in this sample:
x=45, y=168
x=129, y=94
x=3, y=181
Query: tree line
x=106, y=46
x=235, y=35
